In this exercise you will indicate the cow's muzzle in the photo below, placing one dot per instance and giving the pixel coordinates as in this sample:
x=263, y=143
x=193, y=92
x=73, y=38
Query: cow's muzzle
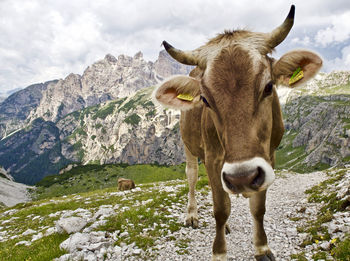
x=247, y=176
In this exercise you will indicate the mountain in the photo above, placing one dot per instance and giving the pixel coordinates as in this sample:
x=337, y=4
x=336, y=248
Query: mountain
x=108, y=79
x=47, y=126
x=15, y=110
x=317, y=122
x=106, y=115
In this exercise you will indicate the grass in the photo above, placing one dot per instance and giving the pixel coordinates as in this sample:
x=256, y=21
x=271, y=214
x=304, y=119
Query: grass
x=43, y=249
x=133, y=119
x=146, y=215
x=92, y=177
x=324, y=194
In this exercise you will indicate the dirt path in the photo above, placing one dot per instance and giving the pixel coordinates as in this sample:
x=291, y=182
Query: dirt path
x=285, y=197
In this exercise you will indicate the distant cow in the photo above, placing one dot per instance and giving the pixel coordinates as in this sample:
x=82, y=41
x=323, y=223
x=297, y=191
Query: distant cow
x=231, y=119
x=125, y=184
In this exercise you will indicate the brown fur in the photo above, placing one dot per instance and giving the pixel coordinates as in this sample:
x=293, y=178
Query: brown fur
x=125, y=184
x=242, y=121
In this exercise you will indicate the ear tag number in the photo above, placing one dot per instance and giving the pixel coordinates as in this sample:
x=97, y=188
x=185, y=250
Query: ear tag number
x=185, y=97
x=297, y=75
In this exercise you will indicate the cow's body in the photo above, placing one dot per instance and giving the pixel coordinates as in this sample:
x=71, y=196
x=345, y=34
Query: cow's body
x=231, y=119
x=125, y=184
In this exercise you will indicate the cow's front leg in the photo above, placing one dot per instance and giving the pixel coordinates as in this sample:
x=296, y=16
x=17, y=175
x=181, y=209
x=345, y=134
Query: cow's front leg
x=257, y=208
x=222, y=208
x=192, y=177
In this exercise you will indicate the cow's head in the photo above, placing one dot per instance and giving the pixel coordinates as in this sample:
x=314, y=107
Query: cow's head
x=235, y=81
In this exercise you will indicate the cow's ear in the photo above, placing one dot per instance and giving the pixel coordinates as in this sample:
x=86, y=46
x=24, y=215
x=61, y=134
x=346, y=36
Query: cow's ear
x=179, y=92
x=296, y=67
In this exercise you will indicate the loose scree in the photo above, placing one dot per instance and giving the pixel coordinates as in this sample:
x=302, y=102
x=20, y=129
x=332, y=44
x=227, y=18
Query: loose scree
x=231, y=119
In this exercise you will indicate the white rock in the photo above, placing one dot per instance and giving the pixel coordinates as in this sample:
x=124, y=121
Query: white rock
x=28, y=232
x=137, y=251
x=124, y=234
x=37, y=237
x=117, y=250
x=325, y=245
x=26, y=243
x=103, y=251
x=70, y=224
x=104, y=212
x=90, y=257
x=74, y=241
x=51, y=231
x=97, y=246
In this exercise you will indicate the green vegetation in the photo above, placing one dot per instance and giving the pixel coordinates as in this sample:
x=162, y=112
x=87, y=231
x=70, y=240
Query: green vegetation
x=151, y=113
x=92, y=177
x=342, y=250
x=144, y=214
x=105, y=111
x=141, y=98
x=330, y=205
x=133, y=119
x=43, y=249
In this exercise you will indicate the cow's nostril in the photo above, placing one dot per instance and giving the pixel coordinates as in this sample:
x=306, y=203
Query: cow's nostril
x=259, y=178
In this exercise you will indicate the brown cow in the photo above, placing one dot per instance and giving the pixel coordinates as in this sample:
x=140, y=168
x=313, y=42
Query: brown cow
x=231, y=119
x=125, y=184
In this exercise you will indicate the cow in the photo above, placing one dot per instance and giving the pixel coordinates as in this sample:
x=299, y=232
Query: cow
x=125, y=184
x=231, y=119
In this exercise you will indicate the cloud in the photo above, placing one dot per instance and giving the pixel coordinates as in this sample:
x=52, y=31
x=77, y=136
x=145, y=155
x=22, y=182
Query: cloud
x=44, y=40
x=339, y=63
x=337, y=32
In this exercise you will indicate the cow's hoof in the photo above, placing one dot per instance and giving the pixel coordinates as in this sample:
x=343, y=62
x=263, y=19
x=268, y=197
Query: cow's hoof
x=227, y=229
x=191, y=222
x=266, y=257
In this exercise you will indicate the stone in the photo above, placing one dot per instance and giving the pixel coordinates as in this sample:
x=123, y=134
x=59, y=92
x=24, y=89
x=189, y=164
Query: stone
x=70, y=224
x=28, y=232
x=104, y=212
x=37, y=237
x=124, y=234
x=51, y=231
x=26, y=243
x=77, y=240
x=137, y=251
x=325, y=245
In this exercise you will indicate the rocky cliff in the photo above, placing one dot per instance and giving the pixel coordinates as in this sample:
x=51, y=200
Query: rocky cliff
x=15, y=109
x=317, y=122
x=107, y=116
x=108, y=79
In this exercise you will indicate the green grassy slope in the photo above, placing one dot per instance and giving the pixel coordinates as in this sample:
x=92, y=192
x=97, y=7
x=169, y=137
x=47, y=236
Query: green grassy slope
x=92, y=177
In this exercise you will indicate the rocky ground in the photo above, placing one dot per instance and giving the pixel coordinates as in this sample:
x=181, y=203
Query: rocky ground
x=285, y=198
x=12, y=193
x=156, y=213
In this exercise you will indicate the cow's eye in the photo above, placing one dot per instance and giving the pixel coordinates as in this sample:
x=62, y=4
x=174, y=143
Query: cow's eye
x=268, y=88
x=205, y=101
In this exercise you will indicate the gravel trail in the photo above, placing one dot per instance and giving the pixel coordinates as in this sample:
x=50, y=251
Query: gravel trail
x=285, y=199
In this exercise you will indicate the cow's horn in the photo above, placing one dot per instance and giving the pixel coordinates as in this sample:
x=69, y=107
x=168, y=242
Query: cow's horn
x=281, y=32
x=180, y=56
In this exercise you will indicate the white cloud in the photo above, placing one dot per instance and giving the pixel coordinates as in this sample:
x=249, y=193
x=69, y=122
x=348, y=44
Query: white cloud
x=44, y=40
x=340, y=63
x=337, y=32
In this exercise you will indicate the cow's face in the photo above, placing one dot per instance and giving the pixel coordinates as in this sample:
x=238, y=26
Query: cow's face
x=235, y=82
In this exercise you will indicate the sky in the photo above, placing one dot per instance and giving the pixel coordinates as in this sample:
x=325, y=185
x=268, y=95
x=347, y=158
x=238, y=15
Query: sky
x=42, y=40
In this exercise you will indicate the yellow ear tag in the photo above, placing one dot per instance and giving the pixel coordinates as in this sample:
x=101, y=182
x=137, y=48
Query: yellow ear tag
x=185, y=97
x=297, y=75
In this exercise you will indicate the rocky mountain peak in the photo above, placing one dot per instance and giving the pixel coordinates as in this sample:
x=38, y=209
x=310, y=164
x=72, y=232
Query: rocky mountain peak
x=138, y=55
x=166, y=66
x=110, y=58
